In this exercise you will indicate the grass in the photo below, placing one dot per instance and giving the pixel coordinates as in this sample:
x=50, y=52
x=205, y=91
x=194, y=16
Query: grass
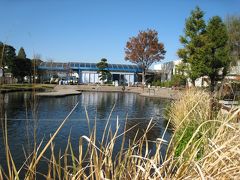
x=25, y=87
x=200, y=148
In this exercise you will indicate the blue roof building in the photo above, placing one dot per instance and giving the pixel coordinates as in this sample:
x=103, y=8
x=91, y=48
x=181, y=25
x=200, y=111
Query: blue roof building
x=87, y=72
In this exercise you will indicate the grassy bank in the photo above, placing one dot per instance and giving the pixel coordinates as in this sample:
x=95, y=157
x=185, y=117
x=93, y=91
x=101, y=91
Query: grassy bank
x=201, y=147
x=25, y=87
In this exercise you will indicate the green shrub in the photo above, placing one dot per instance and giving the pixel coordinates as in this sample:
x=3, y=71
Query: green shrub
x=156, y=83
x=179, y=80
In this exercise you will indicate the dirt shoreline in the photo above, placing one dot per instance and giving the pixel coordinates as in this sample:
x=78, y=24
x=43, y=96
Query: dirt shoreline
x=64, y=90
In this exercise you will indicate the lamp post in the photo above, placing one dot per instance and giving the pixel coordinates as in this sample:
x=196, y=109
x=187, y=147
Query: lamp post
x=1, y=74
x=1, y=66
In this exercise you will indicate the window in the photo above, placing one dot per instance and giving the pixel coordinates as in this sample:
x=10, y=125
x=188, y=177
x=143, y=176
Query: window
x=82, y=65
x=59, y=65
x=110, y=65
x=76, y=65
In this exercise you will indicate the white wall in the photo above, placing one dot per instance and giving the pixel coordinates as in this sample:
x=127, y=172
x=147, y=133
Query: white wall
x=92, y=77
x=89, y=77
x=235, y=70
x=167, y=69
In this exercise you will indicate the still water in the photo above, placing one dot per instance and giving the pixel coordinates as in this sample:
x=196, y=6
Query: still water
x=25, y=112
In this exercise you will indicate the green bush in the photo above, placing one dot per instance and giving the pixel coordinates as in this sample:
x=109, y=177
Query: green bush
x=156, y=83
x=167, y=84
x=179, y=80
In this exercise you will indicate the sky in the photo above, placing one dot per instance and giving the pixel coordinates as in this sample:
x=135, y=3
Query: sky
x=88, y=30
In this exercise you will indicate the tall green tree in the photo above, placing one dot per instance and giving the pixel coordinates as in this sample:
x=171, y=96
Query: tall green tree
x=21, y=53
x=144, y=50
x=233, y=30
x=7, y=55
x=103, y=71
x=216, y=51
x=192, y=52
x=21, y=68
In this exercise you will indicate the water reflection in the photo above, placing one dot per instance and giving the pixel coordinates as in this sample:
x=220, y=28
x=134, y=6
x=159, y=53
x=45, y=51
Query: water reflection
x=2, y=109
x=30, y=117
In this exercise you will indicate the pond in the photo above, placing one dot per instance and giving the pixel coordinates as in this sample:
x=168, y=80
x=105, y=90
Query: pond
x=25, y=112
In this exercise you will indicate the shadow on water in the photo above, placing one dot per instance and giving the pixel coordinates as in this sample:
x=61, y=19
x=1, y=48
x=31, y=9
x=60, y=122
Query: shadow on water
x=31, y=120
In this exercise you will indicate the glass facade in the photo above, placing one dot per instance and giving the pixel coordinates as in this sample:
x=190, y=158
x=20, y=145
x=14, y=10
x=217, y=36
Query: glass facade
x=88, y=67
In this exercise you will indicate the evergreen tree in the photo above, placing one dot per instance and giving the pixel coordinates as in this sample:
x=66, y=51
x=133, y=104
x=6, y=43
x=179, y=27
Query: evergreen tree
x=103, y=71
x=21, y=53
x=7, y=56
x=205, y=51
x=216, y=51
x=21, y=68
x=192, y=52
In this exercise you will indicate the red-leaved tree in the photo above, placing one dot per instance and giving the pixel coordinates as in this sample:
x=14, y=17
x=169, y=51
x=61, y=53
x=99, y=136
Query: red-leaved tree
x=144, y=50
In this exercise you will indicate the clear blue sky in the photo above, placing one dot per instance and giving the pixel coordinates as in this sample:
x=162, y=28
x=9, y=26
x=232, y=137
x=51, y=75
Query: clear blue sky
x=74, y=30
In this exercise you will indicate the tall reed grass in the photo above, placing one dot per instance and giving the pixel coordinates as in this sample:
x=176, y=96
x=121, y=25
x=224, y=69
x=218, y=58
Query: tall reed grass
x=203, y=146
x=200, y=148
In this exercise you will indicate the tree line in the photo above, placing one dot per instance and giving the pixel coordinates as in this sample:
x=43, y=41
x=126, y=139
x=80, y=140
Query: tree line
x=19, y=65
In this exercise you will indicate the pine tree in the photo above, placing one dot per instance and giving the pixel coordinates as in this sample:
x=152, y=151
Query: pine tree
x=21, y=53
x=206, y=50
x=7, y=56
x=103, y=71
x=193, y=44
x=216, y=51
